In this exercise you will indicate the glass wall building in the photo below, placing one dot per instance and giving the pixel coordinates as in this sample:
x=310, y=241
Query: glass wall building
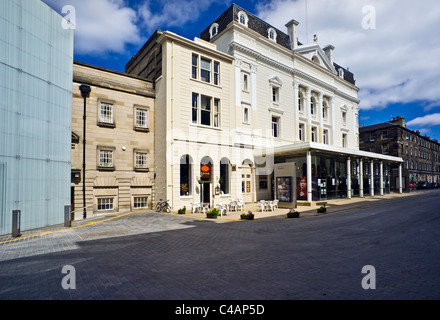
x=36, y=62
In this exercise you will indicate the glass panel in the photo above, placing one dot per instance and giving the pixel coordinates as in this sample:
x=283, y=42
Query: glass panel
x=141, y=118
x=185, y=175
x=216, y=113
x=194, y=107
x=36, y=63
x=194, y=65
x=205, y=113
x=216, y=73
x=224, y=177
x=205, y=66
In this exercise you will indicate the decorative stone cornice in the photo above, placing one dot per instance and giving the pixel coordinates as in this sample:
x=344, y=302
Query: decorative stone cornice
x=295, y=72
x=239, y=47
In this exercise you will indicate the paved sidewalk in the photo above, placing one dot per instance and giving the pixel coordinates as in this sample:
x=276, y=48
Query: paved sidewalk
x=157, y=256
x=333, y=206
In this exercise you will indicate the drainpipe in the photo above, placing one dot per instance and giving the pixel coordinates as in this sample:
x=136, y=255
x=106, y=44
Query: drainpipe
x=85, y=93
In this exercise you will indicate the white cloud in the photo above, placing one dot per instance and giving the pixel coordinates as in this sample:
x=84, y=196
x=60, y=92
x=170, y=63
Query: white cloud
x=396, y=62
x=173, y=12
x=102, y=25
x=428, y=120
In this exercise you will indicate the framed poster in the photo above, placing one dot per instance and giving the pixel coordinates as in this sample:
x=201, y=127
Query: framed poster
x=284, y=189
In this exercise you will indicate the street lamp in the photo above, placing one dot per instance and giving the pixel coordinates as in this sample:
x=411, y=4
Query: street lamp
x=85, y=93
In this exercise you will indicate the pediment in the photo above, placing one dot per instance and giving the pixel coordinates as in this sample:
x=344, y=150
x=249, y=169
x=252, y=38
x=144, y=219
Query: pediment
x=276, y=81
x=316, y=50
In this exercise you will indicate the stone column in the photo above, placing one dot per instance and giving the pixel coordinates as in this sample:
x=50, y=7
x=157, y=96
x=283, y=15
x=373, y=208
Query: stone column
x=400, y=178
x=381, y=178
x=254, y=86
x=372, y=178
x=296, y=97
x=309, y=176
x=349, y=178
x=361, y=178
x=307, y=129
x=332, y=111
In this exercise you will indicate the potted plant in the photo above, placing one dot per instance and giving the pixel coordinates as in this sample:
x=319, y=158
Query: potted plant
x=247, y=216
x=184, y=189
x=322, y=209
x=182, y=210
x=212, y=214
x=292, y=214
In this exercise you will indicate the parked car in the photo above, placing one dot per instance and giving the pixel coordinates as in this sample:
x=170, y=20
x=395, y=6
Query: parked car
x=411, y=186
x=436, y=185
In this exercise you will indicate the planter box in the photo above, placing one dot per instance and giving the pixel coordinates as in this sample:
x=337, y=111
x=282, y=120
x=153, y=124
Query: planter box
x=322, y=210
x=293, y=215
x=247, y=217
x=212, y=216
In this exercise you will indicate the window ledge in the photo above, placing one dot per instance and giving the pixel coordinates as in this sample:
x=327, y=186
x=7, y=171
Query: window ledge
x=204, y=126
x=142, y=169
x=107, y=125
x=139, y=129
x=100, y=168
x=208, y=83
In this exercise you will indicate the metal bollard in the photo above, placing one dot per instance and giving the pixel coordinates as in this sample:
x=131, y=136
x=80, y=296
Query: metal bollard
x=67, y=217
x=16, y=221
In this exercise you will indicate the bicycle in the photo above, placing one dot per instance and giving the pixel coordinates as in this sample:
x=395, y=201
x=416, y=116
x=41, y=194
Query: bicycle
x=163, y=206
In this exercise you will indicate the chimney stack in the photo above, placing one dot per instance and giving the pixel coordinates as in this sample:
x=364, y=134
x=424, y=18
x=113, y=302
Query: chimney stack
x=328, y=50
x=399, y=120
x=292, y=31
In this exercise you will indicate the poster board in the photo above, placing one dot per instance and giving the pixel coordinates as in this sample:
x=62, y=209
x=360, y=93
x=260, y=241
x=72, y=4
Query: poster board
x=284, y=178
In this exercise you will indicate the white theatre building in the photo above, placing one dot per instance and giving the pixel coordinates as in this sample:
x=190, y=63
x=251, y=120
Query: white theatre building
x=246, y=100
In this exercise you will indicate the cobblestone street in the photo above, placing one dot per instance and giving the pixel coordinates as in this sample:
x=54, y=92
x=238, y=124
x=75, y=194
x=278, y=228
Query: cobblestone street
x=169, y=257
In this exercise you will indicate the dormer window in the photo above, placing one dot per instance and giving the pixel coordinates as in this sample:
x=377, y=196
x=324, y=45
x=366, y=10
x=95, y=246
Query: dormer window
x=341, y=73
x=243, y=18
x=272, y=34
x=213, y=31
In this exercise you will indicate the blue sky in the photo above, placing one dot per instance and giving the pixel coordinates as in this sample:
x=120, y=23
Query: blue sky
x=392, y=47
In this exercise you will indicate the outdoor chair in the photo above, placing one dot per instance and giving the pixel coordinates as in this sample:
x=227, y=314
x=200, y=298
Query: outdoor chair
x=195, y=207
x=263, y=205
x=223, y=208
x=270, y=205
x=241, y=204
x=233, y=205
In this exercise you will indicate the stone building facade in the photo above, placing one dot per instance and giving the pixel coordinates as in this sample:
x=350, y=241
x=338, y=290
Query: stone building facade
x=119, y=168
x=305, y=103
x=243, y=101
x=420, y=154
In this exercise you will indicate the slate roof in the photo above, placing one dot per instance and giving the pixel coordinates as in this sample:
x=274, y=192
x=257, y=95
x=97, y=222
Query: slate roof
x=378, y=126
x=260, y=26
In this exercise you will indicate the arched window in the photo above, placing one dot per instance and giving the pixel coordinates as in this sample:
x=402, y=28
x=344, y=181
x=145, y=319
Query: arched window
x=224, y=176
x=300, y=102
x=213, y=30
x=272, y=34
x=324, y=110
x=185, y=175
x=243, y=18
x=312, y=106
